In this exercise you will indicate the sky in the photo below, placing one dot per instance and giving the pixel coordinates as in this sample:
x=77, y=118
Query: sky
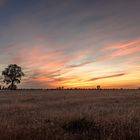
x=72, y=43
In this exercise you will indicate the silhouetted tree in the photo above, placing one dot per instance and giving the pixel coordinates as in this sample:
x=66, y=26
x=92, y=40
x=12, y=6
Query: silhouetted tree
x=98, y=87
x=12, y=76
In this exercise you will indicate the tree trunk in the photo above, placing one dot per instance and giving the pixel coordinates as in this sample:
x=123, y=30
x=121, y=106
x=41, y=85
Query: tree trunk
x=12, y=86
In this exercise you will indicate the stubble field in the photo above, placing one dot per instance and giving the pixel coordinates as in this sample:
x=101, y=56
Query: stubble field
x=70, y=115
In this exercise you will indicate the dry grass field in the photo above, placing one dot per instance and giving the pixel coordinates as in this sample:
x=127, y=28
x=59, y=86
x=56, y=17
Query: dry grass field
x=70, y=115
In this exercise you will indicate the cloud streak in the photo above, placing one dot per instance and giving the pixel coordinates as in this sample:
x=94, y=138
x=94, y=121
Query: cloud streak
x=123, y=45
x=123, y=49
x=108, y=76
x=79, y=65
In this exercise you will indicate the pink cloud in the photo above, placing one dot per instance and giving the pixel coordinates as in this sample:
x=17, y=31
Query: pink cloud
x=121, y=50
x=123, y=45
x=125, y=51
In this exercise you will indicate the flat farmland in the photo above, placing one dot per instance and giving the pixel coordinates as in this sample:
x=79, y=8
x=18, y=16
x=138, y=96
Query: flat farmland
x=70, y=115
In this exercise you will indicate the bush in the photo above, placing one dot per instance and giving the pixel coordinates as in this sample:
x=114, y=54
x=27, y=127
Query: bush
x=85, y=128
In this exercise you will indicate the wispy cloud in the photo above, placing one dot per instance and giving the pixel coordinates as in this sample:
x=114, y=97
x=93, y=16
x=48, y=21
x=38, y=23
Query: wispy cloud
x=123, y=45
x=123, y=49
x=108, y=76
x=79, y=65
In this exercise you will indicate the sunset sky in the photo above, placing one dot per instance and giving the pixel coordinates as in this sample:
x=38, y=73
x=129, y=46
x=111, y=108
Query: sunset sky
x=72, y=43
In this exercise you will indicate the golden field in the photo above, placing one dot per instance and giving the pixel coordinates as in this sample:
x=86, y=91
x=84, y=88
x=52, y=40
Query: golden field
x=70, y=115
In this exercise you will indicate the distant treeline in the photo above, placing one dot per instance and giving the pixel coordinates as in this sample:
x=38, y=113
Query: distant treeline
x=73, y=89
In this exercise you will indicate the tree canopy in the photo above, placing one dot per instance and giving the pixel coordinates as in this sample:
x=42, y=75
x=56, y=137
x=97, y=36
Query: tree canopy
x=12, y=76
